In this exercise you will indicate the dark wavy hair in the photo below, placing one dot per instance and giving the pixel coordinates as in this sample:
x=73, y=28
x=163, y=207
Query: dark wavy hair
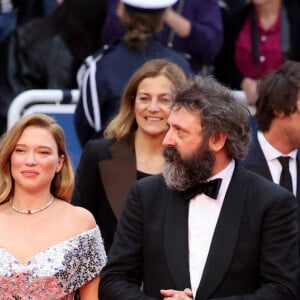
x=218, y=111
x=278, y=92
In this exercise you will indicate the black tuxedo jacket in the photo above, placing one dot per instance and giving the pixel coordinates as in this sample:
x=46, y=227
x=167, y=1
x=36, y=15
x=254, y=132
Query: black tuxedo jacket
x=253, y=250
x=256, y=161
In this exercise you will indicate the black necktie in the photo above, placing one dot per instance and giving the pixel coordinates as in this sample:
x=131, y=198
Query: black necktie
x=285, y=177
x=210, y=188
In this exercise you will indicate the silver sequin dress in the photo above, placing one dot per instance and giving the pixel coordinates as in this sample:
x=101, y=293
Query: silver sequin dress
x=54, y=273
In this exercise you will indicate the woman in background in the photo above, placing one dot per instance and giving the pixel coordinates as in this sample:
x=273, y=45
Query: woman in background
x=132, y=147
x=258, y=39
x=106, y=73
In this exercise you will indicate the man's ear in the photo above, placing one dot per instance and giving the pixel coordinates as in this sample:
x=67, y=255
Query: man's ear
x=279, y=114
x=217, y=141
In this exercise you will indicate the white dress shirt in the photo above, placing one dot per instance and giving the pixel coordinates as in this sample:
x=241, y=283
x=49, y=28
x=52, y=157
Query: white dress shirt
x=203, y=216
x=271, y=154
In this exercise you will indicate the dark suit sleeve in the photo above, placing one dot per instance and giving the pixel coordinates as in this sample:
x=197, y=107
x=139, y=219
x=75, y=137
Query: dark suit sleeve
x=280, y=230
x=279, y=251
x=121, y=278
x=278, y=265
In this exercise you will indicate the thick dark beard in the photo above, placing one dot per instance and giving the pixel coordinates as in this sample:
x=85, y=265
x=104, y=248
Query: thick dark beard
x=181, y=174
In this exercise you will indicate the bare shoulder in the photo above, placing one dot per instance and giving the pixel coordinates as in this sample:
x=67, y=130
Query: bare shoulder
x=80, y=218
x=83, y=216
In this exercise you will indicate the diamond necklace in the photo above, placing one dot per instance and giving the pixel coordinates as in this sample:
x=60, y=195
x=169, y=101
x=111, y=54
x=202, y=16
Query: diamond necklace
x=30, y=211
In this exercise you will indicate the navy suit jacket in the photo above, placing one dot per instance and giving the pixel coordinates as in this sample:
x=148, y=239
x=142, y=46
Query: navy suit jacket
x=253, y=250
x=256, y=161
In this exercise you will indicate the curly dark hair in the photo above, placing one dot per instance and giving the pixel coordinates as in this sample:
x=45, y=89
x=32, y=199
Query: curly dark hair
x=278, y=92
x=219, y=112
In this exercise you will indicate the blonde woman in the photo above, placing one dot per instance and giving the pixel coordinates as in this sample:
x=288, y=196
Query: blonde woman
x=48, y=248
x=132, y=147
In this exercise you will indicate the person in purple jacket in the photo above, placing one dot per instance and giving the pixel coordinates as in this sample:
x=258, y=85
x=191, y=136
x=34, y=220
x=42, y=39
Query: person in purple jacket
x=193, y=27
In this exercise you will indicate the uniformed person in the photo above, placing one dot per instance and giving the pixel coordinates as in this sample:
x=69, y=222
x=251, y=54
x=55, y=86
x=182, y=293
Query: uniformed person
x=104, y=75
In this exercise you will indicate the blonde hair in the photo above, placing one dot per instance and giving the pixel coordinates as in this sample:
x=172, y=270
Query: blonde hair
x=124, y=122
x=63, y=182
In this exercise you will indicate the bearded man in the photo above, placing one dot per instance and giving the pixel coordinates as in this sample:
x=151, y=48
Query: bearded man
x=206, y=228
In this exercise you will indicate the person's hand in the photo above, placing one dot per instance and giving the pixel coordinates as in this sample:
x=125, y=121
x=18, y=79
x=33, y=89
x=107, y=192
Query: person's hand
x=168, y=14
x=186, y=294
x=249, y=86
x=181, y=25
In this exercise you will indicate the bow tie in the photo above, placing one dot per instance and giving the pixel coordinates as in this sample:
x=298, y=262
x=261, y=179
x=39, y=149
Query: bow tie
x=210, y=188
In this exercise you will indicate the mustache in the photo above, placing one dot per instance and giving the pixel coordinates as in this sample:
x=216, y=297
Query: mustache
x=171, y=154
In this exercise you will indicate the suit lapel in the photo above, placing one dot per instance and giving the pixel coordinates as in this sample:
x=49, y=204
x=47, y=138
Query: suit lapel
x=118, y=174
x=256, y=160
x=176, y=237
x=225, y=235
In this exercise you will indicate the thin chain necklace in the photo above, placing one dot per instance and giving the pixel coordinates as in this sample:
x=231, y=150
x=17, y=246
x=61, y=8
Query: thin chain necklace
x=30, y=211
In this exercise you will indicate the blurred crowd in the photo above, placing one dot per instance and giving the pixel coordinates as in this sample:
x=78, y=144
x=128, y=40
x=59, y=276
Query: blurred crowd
x=43, y=44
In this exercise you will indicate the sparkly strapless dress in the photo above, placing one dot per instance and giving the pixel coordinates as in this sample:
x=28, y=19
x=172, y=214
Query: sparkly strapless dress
x=55, y=273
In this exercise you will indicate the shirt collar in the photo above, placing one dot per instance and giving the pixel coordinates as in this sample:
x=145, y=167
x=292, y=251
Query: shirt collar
x=269, y=151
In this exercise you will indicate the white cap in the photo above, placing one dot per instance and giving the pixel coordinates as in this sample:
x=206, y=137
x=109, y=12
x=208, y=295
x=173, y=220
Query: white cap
x=150, y=4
